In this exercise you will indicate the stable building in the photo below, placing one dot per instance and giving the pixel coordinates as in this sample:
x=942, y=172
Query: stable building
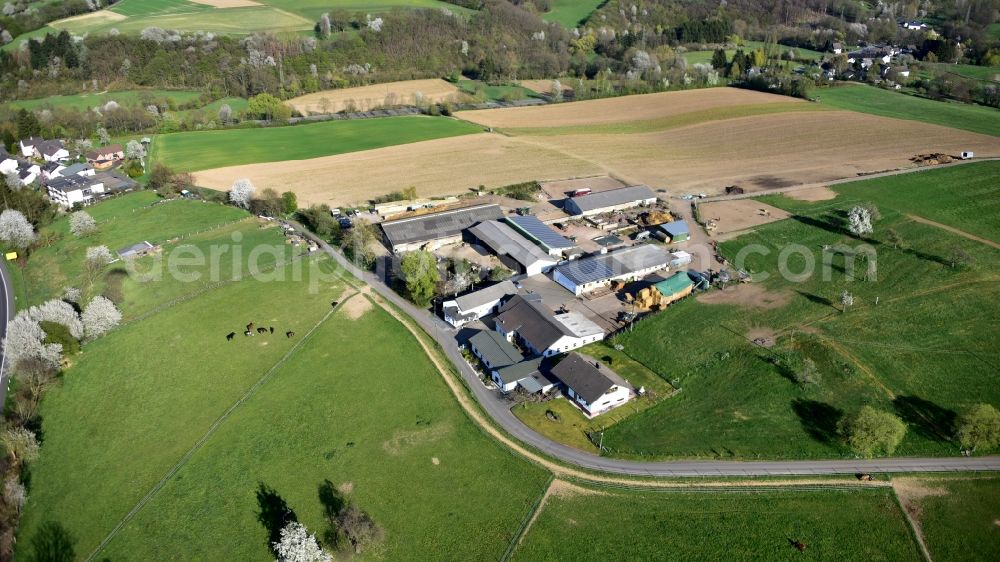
x=473, y=306
x=610, y=201
x=433, y=230
x=541, y=331
x=676, y=231
x=628, y=264
x=514, y=250
x=541, y=234
x=593, y=387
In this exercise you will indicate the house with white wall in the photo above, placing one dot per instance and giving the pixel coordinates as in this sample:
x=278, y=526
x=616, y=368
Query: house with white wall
x=473, y=306
x=591, y=386
x=541, y=331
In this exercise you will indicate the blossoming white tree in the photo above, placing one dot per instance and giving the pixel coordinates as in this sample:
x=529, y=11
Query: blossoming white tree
x=297, y=545
x=15, y=229
x=100, y=316
x=81, y=223
x=241, y=193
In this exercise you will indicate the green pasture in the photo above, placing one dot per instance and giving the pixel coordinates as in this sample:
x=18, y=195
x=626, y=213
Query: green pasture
x=203, y=150
x=610, y=524
x=84, y=102
x=885, y=103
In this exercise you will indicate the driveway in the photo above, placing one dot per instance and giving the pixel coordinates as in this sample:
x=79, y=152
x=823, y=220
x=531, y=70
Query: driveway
x=6, y=315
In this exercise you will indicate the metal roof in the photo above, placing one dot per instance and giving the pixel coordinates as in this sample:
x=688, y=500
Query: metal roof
x=540, y=232
x=611, y=198
x=674, y=284
x=504, y=240
x=676, y=227
x=614, y=264
x=434, y=226
x=519, y=371
x=487, y=295
x=493, y=348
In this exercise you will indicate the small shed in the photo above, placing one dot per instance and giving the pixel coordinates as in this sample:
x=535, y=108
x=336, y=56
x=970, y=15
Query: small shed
x=136, y=250
x=678, y=231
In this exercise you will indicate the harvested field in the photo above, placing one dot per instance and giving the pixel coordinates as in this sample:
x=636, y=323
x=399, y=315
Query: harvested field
x=740, y=214
x=364, y=98
x=617, y=110
x=561, y=188
x=437, y=167
x=747, y=295
x=543, y=86
x=820, y=193
x=708, y=156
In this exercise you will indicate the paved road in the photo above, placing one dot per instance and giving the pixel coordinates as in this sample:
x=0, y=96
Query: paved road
x=6, y=315
x=499, y=410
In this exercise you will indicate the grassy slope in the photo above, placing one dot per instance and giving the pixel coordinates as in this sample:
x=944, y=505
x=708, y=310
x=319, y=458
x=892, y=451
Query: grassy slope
x=87, y=101
x=347, y=415
x=930, y=194
x=312, y=9
x=985, y=73
x=186, y=16
x=121, y=222
x=735, y=403
x=721, y=526
x=212, y=149
x=868, y=99
x=570, y=13
x=960, y=524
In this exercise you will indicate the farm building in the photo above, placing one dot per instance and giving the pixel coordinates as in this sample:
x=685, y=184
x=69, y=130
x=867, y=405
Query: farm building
x=435, y=229
x=79, y=169
x=611, y=200
x=542, y=331
x=513, y=249
x=676, y=231
x=588, y=274
x=28, y=146
x=527, y=374
x=493, y=350
x=591, y=386
x=540, y=233
x=136, y=250
x=106, y=156
x=674, y=288
x=680, y=259
x=466, y=308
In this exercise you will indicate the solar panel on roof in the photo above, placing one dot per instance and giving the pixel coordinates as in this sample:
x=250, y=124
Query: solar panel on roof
x=540, y=231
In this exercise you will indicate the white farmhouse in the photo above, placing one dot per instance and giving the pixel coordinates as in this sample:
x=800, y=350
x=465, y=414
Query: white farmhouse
x=543, y=332
x=594, y=388
x=473, y=306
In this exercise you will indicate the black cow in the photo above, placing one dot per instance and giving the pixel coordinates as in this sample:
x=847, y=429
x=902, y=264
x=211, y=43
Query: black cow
x=261, y=330
x=272, y=329
x=289, y=334
x=230, y=336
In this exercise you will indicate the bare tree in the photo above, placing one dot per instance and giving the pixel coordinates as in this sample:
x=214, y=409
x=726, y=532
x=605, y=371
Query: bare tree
x=97, y=258
x=359, y=527
x=225, y=113
x=324, y=26
x=21, y=444
x=959, y=257
x=16, y=230
x=893, y=237
x=241, y=193
x=100, y=316
x=81, y=223
x=807, y=374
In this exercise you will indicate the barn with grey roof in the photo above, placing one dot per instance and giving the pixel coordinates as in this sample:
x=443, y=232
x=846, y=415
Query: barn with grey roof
x=587, y=274
x=611, y=200
x=438, y=229
x=541, y=234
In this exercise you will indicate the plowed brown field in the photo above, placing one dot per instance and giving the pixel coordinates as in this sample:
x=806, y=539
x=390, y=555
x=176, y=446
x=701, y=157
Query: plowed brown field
x=365, y=98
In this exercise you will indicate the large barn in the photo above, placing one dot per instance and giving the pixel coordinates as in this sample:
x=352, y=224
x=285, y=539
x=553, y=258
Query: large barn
x=588, y=274
x=611, y=200
x=438, y=229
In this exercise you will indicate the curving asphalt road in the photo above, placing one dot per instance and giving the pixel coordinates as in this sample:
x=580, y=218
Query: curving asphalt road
x=499, y=410
x=6, y=315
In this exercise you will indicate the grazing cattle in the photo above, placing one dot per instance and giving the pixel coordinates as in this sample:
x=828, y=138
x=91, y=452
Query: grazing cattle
x=272, y=329
x=866, y=477
x=250, y=327
x=230, y=335
x=248, y=333
x=333, y=304
x=289, y=334
x=261, y=330
x=800, y=546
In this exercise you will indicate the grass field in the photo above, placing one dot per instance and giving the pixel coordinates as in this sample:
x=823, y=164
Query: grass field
x=958, y=516
x=84, y=102
x=132, y=16
x=135, y=401
x=571, y=13
x=312, y=9
x=705, y=57
x=984, y=73
x=202, y=150
x=611, y=524
x=735, y=403
x=122, y=222
x=868, y=99
x=490, y=92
